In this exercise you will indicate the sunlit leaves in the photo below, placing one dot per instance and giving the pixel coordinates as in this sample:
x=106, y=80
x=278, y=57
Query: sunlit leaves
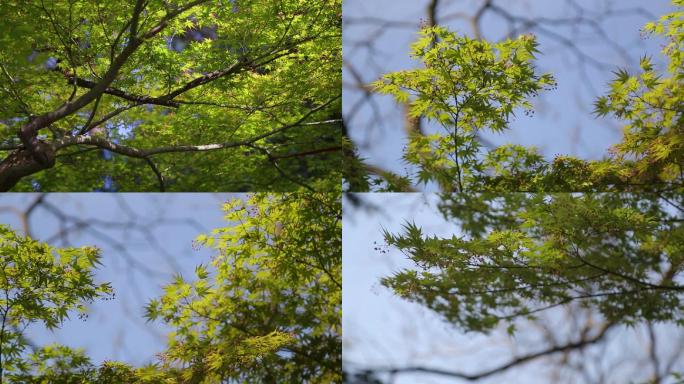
x=467, y=85
x=652, y=103
x=269, y=305
x=42, y=284
x=287, y=60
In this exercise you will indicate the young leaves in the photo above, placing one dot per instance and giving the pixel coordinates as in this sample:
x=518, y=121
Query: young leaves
x=269, y=306
x=41, y=284
x=620, y=254
x=465, y=85
x=468, y=85
x=652, y=103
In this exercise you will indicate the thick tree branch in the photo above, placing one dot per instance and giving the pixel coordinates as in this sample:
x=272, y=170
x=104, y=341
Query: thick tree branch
x=139, y=5
x=146, y=153
x=36, y=155
x=29, y=131
x=83, y=83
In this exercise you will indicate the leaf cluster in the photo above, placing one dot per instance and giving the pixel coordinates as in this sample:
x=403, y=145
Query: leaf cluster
x=466, y=85
x=518, y=255
x=469, y=85
x=41, y=284
x=268, y=307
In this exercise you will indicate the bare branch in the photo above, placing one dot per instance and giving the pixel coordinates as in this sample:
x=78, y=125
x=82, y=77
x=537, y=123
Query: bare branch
x=582, y=343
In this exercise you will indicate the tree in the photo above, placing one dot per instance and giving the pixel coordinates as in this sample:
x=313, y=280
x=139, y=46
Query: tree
x=267, y=308
x=469, y=85
x=277, y=286
x=618, y=253
x=466, y=85
x=42, y=284
x=192, y=95
x=515, y=257
x=610, y=264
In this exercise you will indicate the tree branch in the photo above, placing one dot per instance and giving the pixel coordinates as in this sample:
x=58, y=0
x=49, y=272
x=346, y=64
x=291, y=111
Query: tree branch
x=124, y=95
x=584, y=342
x=167, y=99
x=160, y=177
x=139, y=5
x=284, y=174
x=29, y=131
x=307, y=153
x=626, y=277
x=35, y=154
x=146, y=153
x=106, y=117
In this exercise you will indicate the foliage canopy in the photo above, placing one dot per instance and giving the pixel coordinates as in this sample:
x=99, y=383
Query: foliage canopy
x=266, y=309
x=469, y=85
x=41, y=284
x=520, y=254
x=170, y=95
x=603, y=236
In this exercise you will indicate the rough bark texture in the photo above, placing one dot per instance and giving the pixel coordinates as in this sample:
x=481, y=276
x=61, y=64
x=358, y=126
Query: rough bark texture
x=23, y=162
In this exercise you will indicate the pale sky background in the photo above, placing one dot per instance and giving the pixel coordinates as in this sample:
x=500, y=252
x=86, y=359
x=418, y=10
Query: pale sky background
x=383, y=330
x=378, y=33
x=155, y=234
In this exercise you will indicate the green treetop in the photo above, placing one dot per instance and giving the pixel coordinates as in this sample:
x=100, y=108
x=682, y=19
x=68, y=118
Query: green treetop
x=469, y=85
x=269, y=309
x=40, y=284
x=466, y=85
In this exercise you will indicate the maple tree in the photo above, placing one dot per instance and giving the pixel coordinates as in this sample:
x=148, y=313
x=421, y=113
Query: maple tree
x=470, y=85
x=522, y=267
x=620, y=253
x=267, y=308
x=42, y=284
x=170, y=95
x=534, y=235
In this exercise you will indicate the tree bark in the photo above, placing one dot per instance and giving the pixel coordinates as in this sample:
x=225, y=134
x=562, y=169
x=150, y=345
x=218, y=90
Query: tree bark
x=22, y=162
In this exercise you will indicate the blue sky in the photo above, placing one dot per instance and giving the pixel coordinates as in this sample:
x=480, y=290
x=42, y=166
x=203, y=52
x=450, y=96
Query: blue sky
x=563, y=123
x=145, y=239
x=383, y=330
